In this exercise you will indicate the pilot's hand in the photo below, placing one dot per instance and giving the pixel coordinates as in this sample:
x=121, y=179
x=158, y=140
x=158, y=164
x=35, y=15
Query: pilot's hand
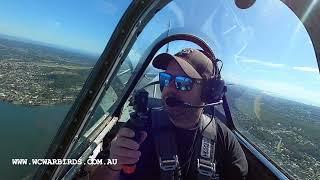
x=124, y=149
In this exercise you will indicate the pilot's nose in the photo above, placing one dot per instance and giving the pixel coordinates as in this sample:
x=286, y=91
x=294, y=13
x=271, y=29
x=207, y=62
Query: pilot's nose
x=172, y=86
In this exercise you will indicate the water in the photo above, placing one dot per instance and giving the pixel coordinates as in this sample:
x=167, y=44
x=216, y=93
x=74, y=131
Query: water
x=26, y=132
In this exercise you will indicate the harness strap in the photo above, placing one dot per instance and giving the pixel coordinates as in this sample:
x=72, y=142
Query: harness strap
x=206, y=165
x=165, y=145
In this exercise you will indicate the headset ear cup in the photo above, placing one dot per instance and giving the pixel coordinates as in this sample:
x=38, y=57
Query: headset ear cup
x=206, y=91
x=219, y=91
x=212, y=91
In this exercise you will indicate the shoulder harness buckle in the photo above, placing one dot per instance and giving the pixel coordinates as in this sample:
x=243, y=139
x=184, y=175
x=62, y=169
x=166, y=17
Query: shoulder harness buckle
x=169, y=164
x=206, y=167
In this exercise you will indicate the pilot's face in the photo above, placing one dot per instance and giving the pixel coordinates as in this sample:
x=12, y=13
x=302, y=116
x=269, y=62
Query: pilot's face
x=182, y=117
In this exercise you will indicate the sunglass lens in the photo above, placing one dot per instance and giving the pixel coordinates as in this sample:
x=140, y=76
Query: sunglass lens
x=164, y=79
x=183, y=83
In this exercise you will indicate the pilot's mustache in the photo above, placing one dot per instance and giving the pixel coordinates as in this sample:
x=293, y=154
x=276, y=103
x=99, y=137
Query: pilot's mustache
x=177, y=98
x=171, y=95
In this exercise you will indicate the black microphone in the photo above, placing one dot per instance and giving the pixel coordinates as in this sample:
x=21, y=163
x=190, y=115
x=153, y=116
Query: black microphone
x=172, y=101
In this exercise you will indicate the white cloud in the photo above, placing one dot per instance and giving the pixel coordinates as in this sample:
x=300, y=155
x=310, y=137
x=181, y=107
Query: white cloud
x=287, y=90
x=306, y=69
x=243, y=59
x=232, y=77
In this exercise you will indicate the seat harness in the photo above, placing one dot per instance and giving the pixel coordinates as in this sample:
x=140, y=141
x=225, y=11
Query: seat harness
x=166, y=147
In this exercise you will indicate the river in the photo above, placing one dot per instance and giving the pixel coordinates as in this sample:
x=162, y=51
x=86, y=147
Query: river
x=26, y=132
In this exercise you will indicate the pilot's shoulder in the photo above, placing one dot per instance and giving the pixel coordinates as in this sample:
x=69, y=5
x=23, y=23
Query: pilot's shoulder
x=223, y=132
x=226, y=136
x=220, y=125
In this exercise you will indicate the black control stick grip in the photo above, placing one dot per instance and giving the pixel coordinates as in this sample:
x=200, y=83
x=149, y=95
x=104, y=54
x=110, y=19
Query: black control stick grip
x=137, y=121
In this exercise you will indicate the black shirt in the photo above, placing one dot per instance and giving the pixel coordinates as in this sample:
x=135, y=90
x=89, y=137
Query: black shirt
x=231, y=162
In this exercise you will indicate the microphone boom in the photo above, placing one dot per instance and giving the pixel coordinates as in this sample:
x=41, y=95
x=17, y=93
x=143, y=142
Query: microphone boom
x=202, y=106
x=172, y=101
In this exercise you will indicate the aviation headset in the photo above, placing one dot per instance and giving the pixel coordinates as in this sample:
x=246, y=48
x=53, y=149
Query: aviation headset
x=213, y=88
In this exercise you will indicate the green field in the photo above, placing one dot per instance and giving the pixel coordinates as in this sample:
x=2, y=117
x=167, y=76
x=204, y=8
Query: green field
x=286, y=131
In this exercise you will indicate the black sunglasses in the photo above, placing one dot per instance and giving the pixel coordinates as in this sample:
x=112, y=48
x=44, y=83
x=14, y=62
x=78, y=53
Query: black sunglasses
x=183, y=83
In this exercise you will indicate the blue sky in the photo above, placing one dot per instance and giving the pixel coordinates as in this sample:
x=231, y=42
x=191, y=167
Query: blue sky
x=84, y=25
x=264, y=47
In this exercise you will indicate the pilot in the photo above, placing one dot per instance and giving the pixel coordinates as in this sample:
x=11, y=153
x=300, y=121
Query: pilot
x=181, y=80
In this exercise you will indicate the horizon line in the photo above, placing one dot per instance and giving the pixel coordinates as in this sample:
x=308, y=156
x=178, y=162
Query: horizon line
x=49, y=44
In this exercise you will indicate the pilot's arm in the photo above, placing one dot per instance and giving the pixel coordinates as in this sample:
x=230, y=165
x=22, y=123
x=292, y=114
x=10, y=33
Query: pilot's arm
x=235, y=162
